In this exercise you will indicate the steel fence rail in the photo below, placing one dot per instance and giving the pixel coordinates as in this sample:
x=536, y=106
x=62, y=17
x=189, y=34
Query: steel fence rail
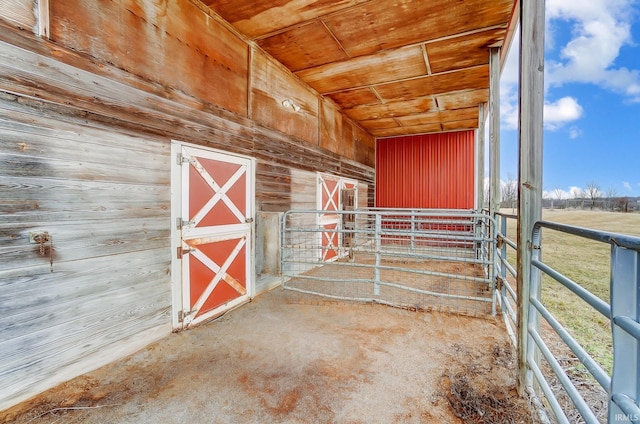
x=417, y=259
x=507, y=297
x=592, y=366
x=623, y=311
x=458, y=261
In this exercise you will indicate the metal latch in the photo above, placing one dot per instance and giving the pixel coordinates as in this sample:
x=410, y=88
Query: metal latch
x=249, y=220
x=181, y=252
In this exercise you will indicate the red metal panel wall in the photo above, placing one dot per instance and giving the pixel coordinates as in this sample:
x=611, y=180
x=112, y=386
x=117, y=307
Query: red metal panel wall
x=426, y=171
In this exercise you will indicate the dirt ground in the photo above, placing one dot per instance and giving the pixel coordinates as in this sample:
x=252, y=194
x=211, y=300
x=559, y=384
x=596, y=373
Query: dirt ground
x=275, y=360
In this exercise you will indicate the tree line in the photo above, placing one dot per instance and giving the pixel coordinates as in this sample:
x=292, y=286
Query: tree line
x=591, y=197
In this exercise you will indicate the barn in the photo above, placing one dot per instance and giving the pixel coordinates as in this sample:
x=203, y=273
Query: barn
x=150, y=149
x=151, y=152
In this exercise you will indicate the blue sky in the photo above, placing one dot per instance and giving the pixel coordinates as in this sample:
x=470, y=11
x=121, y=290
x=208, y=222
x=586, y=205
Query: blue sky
x=592, y=98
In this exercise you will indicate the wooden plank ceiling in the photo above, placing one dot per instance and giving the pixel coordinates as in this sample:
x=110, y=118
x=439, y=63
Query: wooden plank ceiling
x=397, y=67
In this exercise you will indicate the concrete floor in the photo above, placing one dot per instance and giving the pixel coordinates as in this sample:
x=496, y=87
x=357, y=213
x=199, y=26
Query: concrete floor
x=277, y=361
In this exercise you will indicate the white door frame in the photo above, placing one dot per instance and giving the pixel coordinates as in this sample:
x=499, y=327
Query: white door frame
x=320, y=219
x=177, y=187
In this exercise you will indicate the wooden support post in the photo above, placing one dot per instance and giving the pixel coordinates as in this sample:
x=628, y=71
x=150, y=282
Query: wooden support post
x=480, y=198
x=529, y=165
x=43, y=18
x=494, y=131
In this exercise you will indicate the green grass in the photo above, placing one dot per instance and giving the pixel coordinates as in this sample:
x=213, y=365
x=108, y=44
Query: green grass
x=587, y=263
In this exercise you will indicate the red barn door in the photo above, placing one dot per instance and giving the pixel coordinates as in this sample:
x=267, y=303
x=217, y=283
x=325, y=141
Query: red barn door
x=329, y=202
x=215, y=233
x=330, y=192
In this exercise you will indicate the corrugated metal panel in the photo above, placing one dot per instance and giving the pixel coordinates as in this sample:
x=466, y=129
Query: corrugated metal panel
x=426, y=171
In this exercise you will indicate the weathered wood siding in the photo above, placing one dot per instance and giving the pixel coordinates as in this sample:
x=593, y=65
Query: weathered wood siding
x=271, y=85
x=103, y=199
x=84, y=155
x=178, y=45
x=169, y=42
x=22, y=13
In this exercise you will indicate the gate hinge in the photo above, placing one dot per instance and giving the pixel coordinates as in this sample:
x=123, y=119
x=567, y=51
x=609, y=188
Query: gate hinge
x=182, y=315
x=180, y=223
x=180, y=159
x=181, y=252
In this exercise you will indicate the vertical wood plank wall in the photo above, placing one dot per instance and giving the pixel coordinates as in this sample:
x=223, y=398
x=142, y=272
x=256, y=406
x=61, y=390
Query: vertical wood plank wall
x=426, y=171
x=85, y=135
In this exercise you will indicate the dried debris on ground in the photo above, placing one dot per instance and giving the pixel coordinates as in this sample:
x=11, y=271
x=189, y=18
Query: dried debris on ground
x=478, y=394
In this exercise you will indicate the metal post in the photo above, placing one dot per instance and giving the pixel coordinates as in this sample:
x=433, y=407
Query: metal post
x=480, y=157
x=531, y=100
x=625, y=305
x=376, y=277
x=503, y=253
x=494, y=142
x=494, y=131
x=413, y=231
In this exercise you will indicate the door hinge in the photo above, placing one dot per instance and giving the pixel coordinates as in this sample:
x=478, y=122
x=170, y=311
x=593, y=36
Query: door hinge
x=180, y=159
x=180, y=223
x=181, y=252
x=182, y=315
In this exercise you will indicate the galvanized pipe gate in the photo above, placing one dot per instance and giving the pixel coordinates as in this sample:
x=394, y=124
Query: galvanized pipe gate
x=622, y=309
x=422, y=260
x=450, y=260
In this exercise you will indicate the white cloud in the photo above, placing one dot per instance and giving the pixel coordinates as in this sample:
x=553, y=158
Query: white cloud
x=575, y=192
x=509, y=86
x=575, y=132
x=556, y=194
x=627, y=185
x=561, y=112
x=556, y=114
x=599, y=29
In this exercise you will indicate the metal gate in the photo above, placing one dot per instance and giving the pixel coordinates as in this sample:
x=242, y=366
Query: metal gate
x=215, y=233
x=422, y=260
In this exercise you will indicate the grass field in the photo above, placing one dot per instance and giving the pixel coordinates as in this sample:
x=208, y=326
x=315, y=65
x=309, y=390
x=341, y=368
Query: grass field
x=587, y=263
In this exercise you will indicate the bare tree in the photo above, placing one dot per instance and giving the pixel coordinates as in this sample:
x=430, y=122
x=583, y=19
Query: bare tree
x=557, y=194
x=487, y=192
x=622, y=204
x=509, y=193
x=578, y=195
x=593, y=193
x=610, y=195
